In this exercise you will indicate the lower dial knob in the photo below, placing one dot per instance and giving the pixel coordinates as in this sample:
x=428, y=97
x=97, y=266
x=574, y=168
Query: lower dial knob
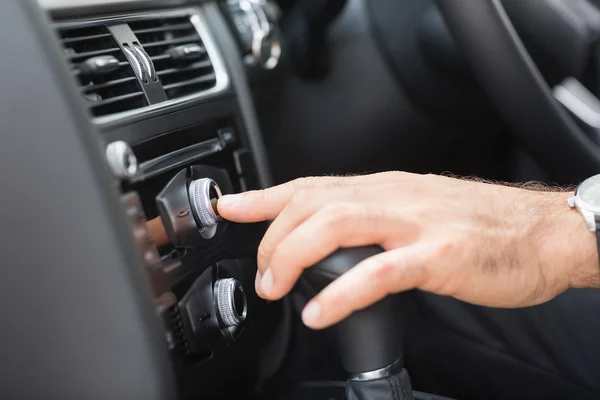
x=231, y=303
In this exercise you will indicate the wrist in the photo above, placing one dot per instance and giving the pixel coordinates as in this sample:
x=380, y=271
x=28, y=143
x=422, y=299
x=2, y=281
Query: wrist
x=571, y=247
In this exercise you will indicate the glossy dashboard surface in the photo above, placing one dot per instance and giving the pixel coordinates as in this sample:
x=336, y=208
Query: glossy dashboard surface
x=80, y=7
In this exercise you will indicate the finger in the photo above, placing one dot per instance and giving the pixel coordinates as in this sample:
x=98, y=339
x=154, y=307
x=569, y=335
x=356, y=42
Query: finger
x=265, y=205
x=332, y=227
x=300, y=207
x=368, y=282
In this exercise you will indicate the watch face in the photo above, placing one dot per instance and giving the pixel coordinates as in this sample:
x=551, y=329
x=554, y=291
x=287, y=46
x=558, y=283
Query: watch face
x=589, y=191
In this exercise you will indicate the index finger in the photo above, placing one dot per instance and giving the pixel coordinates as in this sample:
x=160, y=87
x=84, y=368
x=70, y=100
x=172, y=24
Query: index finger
x=259, y=205
x=265, y=205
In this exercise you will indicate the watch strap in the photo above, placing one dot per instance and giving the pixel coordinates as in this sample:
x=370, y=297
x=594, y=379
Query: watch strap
x=597, y=220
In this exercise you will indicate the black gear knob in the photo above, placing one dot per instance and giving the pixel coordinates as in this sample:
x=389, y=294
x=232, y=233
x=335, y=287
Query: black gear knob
x=370, y=339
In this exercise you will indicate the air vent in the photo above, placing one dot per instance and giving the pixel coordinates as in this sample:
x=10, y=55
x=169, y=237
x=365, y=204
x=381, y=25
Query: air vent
x=178, y=53
x=105, y=77
x=116, y=62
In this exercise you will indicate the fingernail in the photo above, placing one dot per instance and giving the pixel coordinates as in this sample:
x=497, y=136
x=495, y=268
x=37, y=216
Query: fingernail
x=257, y=283
x=311, y=313
x=230, y=200
x=266, y=283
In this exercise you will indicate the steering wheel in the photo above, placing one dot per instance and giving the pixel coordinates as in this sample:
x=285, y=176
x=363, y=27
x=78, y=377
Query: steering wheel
x=506, y=72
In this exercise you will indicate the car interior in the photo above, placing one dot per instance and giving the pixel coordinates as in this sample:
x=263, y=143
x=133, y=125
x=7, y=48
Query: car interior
x=124, y=121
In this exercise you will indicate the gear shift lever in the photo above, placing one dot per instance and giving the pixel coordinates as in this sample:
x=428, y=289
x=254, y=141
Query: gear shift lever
x=370, y=341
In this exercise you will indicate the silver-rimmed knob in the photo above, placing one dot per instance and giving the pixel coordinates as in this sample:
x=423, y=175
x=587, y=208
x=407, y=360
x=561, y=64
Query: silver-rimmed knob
x=203, y=195
x=231, y=302
x=121, y=160
x=266, y=49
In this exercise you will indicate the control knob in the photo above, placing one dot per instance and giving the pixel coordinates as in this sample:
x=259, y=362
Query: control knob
x=230, y=301
x=121, y=160
x=203, y=196
x=256, y=23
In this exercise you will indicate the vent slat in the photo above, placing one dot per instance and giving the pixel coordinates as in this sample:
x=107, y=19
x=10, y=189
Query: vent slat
x=160, y=57
x=94, y=53
x=193, y=67
x=76, y=71
x=167, y=28
x=190, y=82
x=117, y=99
x=152, y=22
x=108, y=84
x=84, y=38
x=186, y=39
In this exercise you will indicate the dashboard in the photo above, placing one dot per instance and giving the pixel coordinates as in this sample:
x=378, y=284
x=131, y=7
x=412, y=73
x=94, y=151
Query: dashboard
x=164, y=86
x=90, y=7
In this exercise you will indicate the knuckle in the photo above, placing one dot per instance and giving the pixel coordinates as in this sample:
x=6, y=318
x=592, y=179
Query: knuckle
x=336, y=213
x=276, y=256
x=343, y=298
x=304, y=183
x=258, y=196
x=371, y=216
x=253, y=196
x=374, y=212
x=264, y=252
x=446, y=249
x=381, y=273
x=299, y=183
x=317, y=181
x=300, y=198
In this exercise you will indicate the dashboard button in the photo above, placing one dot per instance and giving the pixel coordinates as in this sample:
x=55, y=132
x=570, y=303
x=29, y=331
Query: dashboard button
x=133, y=206
x=150, y=255
x=140, y=233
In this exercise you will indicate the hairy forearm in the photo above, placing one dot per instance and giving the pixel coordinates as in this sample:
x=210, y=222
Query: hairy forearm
x=560, y=233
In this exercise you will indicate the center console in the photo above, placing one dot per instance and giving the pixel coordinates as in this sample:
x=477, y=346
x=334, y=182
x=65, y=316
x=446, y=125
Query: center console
x=167, y=89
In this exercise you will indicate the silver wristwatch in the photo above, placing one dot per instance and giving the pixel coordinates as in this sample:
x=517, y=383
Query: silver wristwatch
x=587, y=201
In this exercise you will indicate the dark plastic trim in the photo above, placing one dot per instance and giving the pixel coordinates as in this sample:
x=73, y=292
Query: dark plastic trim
x=230, y=51
x=78, y=319
x=77, y=8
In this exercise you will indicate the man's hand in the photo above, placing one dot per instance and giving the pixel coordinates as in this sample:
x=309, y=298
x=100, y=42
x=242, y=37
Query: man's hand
x=485, y=244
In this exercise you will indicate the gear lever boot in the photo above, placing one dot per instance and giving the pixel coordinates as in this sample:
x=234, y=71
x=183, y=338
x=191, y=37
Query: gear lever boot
x=370, y=341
